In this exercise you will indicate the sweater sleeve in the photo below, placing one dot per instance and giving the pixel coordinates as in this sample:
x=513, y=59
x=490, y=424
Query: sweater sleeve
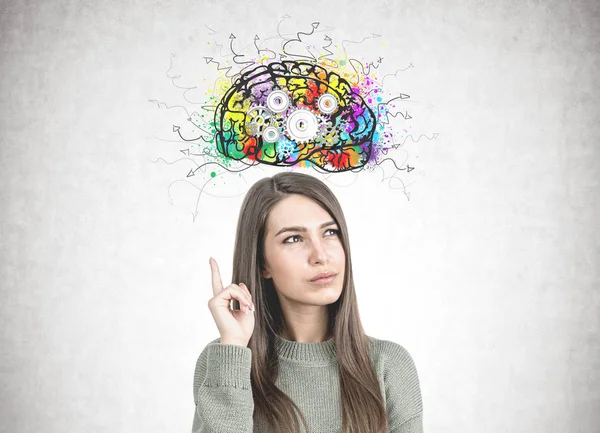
x=222, y=390
x=403, y=391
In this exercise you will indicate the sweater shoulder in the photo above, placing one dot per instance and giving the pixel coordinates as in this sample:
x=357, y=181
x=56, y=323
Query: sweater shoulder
x=388, y=347
x=399, y=379
x=389, y=351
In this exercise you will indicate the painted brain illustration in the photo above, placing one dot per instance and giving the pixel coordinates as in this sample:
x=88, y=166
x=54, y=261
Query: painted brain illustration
x=295, y=112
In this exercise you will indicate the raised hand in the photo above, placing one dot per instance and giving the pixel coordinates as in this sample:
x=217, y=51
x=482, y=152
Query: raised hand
x=235, y=326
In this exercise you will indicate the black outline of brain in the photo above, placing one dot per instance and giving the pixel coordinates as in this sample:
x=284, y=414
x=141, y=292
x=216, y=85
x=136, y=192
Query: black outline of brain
x=304, y=82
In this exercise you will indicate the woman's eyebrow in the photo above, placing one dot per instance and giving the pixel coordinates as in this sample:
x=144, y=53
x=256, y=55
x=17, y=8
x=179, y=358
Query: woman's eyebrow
x=301, y=229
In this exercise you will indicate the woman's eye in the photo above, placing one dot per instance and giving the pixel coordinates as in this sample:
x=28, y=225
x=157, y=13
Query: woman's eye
x=285, y=241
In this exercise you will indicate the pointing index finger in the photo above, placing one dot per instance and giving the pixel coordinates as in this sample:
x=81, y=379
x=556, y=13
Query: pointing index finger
x=217, y=284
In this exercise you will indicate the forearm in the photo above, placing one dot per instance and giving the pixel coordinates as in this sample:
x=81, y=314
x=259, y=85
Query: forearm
x=224, y=401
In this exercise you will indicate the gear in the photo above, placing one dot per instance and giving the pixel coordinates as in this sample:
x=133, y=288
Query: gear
x=302, y=125
x=253, y=129
x=325, y=127
x=331, y=139
x=327, y=103
x=278, y=121
x=328, y=134
x=278, y=101
x=271, y=134
x=285, y=150
x=258, y=118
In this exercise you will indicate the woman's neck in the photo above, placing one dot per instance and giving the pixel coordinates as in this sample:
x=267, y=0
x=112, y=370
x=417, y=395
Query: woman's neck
x=307, y=337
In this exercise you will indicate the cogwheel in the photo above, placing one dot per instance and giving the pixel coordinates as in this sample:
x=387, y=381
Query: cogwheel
x=285, y=150
x=327, y=103
x=278, y=121
x=278, y=101
x=271, y=134
x=302, y=125
x=257, y=119
x=331, y=139
x=325, y=127
x=322, y=120
x=253, y=128
x=328, y=134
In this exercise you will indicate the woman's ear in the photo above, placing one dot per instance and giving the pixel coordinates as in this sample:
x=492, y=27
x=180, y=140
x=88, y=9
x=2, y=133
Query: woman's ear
x=265, y=274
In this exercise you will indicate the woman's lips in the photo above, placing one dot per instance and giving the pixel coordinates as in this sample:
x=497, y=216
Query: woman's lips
x=324, y=280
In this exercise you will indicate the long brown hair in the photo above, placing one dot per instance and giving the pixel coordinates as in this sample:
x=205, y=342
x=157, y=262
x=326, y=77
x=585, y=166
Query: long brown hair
x=362, y=403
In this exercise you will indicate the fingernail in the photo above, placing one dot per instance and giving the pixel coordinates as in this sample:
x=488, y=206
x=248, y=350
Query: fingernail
x=253, y=308
x=247, y=311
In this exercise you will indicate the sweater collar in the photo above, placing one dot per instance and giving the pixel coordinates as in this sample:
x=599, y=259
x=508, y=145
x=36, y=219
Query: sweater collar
x=306, y=352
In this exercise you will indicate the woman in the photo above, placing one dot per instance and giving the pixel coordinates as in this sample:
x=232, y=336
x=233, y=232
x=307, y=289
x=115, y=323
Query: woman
x=296, y=347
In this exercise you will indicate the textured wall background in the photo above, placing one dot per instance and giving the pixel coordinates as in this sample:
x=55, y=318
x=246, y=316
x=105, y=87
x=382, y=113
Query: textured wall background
x=488, y=275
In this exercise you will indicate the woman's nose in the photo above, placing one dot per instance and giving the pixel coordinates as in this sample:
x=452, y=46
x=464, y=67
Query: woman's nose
x=318, y=251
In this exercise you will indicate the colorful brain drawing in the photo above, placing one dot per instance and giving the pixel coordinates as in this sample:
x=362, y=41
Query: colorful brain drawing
x=289, y=112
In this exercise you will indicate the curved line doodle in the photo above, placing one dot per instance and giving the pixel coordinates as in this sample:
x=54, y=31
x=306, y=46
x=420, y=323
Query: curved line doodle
x=295, y=100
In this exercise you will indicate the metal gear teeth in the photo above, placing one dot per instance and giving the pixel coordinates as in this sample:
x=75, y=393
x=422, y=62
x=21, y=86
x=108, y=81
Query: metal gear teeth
x=282, y=94
x=335, y=139
x=252, y=128
x=323, y=127
x=255, y=128
x=320, y=120
x=278, y=121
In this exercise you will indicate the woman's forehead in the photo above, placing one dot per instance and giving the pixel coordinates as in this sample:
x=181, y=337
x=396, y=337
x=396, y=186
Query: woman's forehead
x=297, y=208
x=298, y=211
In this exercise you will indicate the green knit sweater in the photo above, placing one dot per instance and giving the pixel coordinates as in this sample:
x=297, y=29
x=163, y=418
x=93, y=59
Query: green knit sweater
x=308, y=374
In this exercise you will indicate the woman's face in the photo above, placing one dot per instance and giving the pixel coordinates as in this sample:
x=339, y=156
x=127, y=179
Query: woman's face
x=302, y=241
